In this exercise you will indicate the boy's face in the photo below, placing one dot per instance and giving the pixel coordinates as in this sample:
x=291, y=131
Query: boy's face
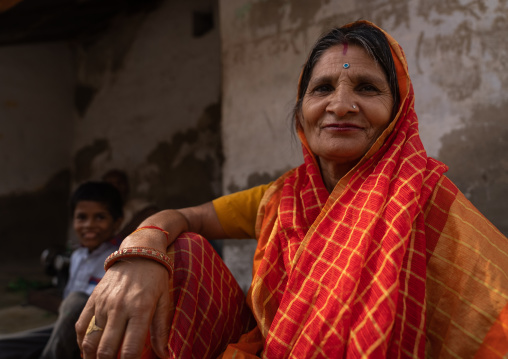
x=94, y=224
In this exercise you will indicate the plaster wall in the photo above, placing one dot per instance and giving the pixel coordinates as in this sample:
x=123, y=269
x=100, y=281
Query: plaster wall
x=149, y=103
x=36, y=115
x=457, y=53
x=143, y=96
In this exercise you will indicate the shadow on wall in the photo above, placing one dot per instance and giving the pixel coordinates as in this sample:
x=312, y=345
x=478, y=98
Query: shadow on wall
x=32, y=221
x=189, y=165
x=482, y=145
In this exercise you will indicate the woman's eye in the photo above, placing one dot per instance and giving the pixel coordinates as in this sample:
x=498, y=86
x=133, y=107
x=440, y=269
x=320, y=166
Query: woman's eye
x=322, y=89
x=368, y=88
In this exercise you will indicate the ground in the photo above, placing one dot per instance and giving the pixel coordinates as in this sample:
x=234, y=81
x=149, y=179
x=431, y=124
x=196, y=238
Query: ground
x=18, y=278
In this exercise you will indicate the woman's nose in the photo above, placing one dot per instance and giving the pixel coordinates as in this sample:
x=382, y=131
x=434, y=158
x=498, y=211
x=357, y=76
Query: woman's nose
x=340, y=102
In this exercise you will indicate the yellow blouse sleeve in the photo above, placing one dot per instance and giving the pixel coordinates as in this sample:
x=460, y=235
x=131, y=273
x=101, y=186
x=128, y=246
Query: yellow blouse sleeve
x=237, y=212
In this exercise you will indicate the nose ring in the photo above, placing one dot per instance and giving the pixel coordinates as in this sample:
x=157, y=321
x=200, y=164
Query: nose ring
x=354, y=107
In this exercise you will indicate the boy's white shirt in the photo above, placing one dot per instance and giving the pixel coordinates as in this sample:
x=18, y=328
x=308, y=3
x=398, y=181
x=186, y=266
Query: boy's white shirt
x=87, y=268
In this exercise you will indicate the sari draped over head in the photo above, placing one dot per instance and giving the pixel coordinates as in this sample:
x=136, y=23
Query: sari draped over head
x=352, y=273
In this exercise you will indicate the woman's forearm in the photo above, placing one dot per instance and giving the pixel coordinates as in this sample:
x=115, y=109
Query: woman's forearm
x=200, y=219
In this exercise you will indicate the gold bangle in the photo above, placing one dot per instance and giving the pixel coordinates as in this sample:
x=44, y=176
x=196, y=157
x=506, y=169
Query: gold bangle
x=143, y=252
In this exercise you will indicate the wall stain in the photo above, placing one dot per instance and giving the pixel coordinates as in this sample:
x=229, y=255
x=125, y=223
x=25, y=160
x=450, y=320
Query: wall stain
x=189, y=166
x=475, y=154
x=101, y=56
x=426, y=8
x=35, y=220
x=11, y=104
x=257, y=179
x=84, y=157
x=83, y=96
x=454, y=61
x=264, y=19
x=394, y=12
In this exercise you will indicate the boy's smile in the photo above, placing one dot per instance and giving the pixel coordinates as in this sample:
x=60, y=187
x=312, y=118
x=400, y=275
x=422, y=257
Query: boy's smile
x=94, y=224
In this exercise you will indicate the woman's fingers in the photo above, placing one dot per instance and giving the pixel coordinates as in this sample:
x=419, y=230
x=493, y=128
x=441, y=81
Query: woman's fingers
x=84, y=321
x=124, y=303
x=161, y=325
x=112, y=338
x=103, y=334
x=135, y=337
x=92, y=338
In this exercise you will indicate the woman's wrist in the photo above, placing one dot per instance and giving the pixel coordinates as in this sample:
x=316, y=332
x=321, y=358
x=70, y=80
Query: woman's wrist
x=158, y=231
x=149, y=239
x=140, y=252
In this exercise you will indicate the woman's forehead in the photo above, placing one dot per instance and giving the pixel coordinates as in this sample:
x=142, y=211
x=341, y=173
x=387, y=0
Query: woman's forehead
x=347, y=58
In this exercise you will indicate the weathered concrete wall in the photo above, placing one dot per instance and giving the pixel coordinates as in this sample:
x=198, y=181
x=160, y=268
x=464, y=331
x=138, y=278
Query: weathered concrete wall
x=144, y=96
x=458, y=59
x=36, y=115
x=149, y=103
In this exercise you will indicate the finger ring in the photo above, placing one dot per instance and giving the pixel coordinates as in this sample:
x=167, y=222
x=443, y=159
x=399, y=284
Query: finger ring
x=92, y=327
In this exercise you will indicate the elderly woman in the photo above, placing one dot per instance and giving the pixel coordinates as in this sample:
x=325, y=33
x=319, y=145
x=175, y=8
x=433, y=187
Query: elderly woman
x=365, y=250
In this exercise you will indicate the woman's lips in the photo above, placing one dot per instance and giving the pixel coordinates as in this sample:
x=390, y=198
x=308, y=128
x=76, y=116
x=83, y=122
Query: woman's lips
x=342, y=127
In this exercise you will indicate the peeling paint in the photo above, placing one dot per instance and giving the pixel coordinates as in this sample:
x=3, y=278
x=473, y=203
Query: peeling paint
x=32, y=221
x=101, y=57
x=458, y=59
x=189, y=165
x=266, y=18
x=257, y=179
x=426, y=8
x=83, y=96
x=84, y=157
x=476, y=155
x=11, y=104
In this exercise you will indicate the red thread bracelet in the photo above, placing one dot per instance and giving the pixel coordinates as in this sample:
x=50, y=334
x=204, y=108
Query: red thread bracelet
x=143, y=252
x=153, y=227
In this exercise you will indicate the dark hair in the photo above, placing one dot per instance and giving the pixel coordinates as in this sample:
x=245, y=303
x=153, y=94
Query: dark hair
x=101, y=192
x=359, y=33
x=119, y=179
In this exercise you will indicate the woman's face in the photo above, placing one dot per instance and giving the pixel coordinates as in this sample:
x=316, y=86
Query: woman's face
x=346, y=107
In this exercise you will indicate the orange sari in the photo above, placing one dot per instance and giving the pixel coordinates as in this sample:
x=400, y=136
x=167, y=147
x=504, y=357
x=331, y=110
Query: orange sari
x=395, y=262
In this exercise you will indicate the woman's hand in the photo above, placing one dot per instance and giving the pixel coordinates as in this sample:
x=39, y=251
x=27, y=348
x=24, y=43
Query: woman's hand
x=131, y=299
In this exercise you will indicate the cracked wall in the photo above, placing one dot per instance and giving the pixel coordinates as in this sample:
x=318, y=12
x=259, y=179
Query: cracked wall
x=35, y=135
x=143, y=96
x=148, y=96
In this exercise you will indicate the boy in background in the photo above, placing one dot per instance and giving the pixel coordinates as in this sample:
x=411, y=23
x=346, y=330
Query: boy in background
x=96, y=209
